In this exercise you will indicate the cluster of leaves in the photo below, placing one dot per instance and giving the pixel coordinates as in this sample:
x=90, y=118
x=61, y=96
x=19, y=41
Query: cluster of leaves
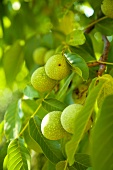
x=66, y=27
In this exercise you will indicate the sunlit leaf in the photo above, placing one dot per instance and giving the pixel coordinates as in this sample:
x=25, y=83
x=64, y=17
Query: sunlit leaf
x=102, y=137
x=12, y=121
x=18, y=155
x=75, y=38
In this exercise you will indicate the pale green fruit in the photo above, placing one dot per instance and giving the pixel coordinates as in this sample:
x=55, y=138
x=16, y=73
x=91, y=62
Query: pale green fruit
x=38, y=55
x=107, y=8
x=51, y=126
x=69, y=115
x=41, y=82
x=57, y=67
x=48, y=54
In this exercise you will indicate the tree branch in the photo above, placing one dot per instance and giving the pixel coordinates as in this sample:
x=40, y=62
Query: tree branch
x=104, y=56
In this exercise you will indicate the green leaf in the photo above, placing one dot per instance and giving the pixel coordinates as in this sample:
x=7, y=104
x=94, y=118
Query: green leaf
x=30, y=92
x=82, y=121
x=28, y=107
x=1, y=130
x=82, y=161
x=51, y=149
x=12, y=121
x=102, y=137
x=5, y=163
x=53, y=104
x=31, y=44
x=49, y=166
x=61, y=165
x=88, y=47
x=18, y=155
x=79, y=65
x=101, y=26
x=3, y=153
x=12, y=61
x=64, y=88
x=31, y=143
x=90, y=168
x=75, y=38
x=95, y=4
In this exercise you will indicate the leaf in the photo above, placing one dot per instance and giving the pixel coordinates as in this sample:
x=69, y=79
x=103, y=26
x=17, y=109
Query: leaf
x=95, y=4
x=5, y=163
x=32, y=144
x=88, y=47
x=82, y=161
x=51, y=149
x=101, y=26
x=53, y=104
x=18, y=155
x=79, y=65
x=14, y=56
x=83, y=52
x=102, y=137
x=49, y=166
x=90, y=168
x=3, y=153
x=28, y=107
x=64, y=88
x=1, y=130
x=12, y=121
x=61, y=165
x=75, y=38
x=82, y=121
x=31, y=92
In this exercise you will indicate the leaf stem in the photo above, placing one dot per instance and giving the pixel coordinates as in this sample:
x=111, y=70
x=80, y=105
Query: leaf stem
x=95, y=63
x=102, y=62
x=96, y=21
x=28, y=121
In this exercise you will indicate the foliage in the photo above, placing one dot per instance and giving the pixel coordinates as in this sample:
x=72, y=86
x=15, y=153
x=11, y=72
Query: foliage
x=80, y=32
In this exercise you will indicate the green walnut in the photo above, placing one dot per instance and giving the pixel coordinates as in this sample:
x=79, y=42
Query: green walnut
x=57, y=67
x=51, y=126
x=41, y=82
x=107, y=8
x=48, y=54
x=69, y=115
x=38, y=55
